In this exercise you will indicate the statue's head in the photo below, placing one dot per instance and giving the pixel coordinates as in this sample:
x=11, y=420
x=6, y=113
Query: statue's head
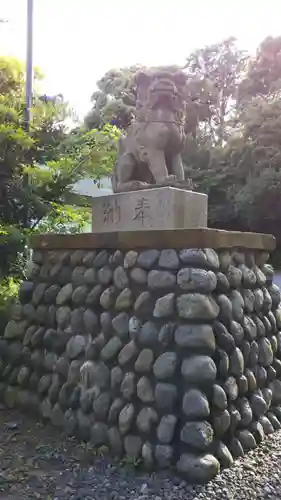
x=161, y=88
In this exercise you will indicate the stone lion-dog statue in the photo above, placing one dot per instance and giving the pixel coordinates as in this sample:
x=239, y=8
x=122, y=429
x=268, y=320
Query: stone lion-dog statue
x=150, y=154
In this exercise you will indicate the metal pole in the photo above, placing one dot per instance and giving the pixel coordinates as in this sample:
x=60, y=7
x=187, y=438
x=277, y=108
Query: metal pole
x=28, y=83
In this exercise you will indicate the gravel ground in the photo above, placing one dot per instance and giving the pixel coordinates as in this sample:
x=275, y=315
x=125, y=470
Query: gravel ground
x=36, y=463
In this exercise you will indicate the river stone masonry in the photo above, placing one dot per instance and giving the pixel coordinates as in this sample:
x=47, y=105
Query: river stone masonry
x=168, y=355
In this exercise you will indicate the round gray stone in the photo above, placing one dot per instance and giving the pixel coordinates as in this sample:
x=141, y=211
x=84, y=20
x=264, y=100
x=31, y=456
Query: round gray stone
x=101, y=258
x=138, y=276
x=126, y=418
x=64, y=294
x=144, y=304
x=104, y=275
x=169, y=259
x=128, y=386
x=165, y=365
x=90, y=321
x=148, y=258
x=148, y=334
x=199, y=370
x=101, y=405
x=196, y=280
x=128, y=352
x=166, y=428
x=130, y=259
x=133, y=445
x=146, y=420
x=236, y=367
x=75, y=346
x=219, y=397
x=121, y=325
x=164, y=306
x=99, y=435
x=120, y=278
x=145, y=390
x=198, y=435
x=265, y=352
x=115, y=441
x=124, y=300
x=165, y=396
x=195, y=405
x=198, y=468
x=79, y=295
x=160, y=279
x=163, y=455
x=116, y=377
x=144, y=361
x=196, y=337
x=111, y=349
x=107, y=298
x=194, y=306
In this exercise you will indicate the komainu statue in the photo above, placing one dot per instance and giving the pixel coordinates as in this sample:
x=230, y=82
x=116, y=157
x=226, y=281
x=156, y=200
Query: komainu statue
x=150, y=155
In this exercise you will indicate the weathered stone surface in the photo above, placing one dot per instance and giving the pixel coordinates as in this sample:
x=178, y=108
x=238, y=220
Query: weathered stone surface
x=114, y=410
x=147, y=335
x=116, y=377
x=38, y=293
x=144, y=361
x=15, y=329
x=133, y=445
x=165, y=396
x=224, y=455
x=165, y=365
x=130, y=259
x=147, y=455
x=75, y=346
x=111, y=349
x=275, y=386
x=104, y=275
x=101, y=258
x=246, y=439
x=128, y=386
x=90, y=321
x=237, y=332
x=145, y=390
x=63, y=316
x=128, y=352
x=79, y=295
x=148, y=258
x=199, y=370
x=198, y=468
x=219, y=398
x=221, y=422
x=194, y=306
x=163, y=455
x=164, y=306
x=236, y=367
x=196, y=337
x=223, y=338
x=146, y=420
x=195, y=405
x=107, y=298
x=166, y=428
x=234, y=276
x=265, y=352
x=93, y=298
x=237, y=302
x=231, y=388
x=199, y=435
x=169, y=259
x=126, y=418
x=64, y=295
x=144, y=304
x=57, y=416
x=196, y=280
x=124, y=300
x=101, y=405
x=160, y=279
x=115, y=441
x=120, y=278
x=99, y=434
x=138, y=276
x=121, y=325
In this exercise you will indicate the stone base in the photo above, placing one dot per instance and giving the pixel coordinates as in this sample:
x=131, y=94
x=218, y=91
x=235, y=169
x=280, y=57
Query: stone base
x=159, y=208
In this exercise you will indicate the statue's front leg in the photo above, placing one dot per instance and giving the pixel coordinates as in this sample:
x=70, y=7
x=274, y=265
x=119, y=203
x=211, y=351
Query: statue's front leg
x=177, y=168
x=157, y=165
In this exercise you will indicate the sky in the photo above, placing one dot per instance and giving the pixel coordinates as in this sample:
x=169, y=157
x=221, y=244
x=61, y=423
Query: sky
x=77, y=41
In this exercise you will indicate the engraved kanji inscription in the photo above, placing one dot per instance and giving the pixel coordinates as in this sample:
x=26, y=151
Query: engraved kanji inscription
x=111, y=212
x=142, y=210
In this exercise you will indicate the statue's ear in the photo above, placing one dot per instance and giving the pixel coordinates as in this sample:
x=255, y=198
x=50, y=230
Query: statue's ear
x=142, y=78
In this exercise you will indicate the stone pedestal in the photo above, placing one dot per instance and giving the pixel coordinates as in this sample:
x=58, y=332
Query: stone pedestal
x=159, y=208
